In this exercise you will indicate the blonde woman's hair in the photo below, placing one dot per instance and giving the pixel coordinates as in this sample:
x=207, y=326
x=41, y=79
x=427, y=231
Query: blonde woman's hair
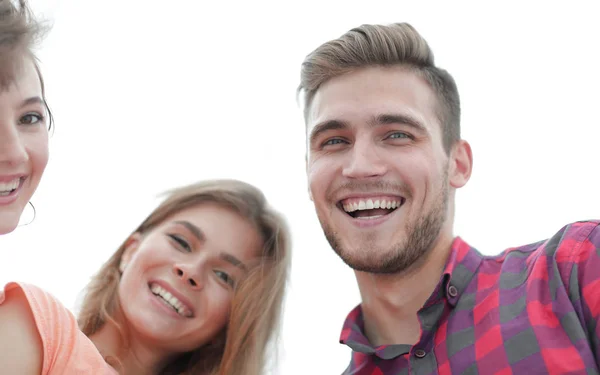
x=242, y=348
x=397, y=44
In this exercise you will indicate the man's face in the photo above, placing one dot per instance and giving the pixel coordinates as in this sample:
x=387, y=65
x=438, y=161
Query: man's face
x=377, y=170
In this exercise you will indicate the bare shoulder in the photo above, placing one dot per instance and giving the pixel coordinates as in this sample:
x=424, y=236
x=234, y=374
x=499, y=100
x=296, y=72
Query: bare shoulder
x=20, y=342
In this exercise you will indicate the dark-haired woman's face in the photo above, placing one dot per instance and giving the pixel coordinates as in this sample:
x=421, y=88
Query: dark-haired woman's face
x=178, y=279
x=23, y=144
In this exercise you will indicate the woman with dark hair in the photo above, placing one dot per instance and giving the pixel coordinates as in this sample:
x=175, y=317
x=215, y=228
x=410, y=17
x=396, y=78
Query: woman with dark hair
x=24, y=115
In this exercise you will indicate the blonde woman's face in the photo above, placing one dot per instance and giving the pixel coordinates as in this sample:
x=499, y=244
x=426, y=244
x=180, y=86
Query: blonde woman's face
x=178, y=279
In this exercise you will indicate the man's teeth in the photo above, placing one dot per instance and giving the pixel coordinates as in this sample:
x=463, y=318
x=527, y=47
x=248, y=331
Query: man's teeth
x=171, y=300
x=7, y=187
x=369, y=204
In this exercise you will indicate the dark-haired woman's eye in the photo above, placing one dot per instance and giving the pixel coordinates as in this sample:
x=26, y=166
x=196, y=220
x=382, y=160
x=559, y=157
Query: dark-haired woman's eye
x=31, y=118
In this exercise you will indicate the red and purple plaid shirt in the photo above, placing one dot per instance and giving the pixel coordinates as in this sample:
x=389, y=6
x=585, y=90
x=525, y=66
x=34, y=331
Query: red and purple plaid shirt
x=530, y=310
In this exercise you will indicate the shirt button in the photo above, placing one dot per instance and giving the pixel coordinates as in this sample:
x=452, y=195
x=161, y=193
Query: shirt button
x=420, y=353
x=452, y=291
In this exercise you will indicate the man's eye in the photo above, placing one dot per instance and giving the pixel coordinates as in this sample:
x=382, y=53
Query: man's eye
x=333, y=141
x=398, y=135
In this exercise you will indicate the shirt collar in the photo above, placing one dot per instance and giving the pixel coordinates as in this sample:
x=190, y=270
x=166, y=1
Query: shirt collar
x=462, y=263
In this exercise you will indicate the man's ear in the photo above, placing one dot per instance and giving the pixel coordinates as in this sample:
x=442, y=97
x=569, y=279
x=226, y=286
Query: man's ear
x=461, y=164
x=131, y=246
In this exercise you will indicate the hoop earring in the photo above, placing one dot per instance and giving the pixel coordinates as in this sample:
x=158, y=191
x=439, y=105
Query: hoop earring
x=34, y=215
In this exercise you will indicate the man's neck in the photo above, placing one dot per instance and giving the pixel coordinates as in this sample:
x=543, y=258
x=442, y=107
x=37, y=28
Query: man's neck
x=390, y=302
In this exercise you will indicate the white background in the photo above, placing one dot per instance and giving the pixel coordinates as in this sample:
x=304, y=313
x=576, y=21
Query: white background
x=149, y=95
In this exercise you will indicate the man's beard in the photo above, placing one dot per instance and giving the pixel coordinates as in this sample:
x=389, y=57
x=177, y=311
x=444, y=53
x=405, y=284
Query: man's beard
x=399, y=257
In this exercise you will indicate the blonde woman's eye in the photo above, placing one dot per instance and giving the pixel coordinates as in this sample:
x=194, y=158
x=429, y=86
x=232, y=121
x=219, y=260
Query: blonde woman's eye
x=181, y=242
x=225, y=277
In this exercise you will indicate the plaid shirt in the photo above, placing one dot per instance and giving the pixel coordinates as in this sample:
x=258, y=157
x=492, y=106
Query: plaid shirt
x=530, y=310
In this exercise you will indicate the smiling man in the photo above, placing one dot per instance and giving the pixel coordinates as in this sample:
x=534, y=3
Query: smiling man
x=384, y=160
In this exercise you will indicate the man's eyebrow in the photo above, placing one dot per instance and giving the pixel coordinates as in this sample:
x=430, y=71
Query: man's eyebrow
x=398, y=118
x=326, y=126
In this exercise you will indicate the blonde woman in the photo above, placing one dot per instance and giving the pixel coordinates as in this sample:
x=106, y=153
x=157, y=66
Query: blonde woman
x=197, y=288
x=24, y=115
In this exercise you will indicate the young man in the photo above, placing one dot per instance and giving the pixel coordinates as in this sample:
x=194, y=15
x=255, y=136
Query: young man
x=385, y=158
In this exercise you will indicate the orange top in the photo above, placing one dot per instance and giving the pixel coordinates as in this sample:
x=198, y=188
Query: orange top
x=66, y=349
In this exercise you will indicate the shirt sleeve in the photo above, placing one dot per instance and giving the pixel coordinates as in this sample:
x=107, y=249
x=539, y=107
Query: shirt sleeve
x=55, y=324
x=578, y=260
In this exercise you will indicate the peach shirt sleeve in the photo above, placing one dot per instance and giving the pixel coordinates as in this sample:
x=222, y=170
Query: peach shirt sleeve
x=66, y=349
